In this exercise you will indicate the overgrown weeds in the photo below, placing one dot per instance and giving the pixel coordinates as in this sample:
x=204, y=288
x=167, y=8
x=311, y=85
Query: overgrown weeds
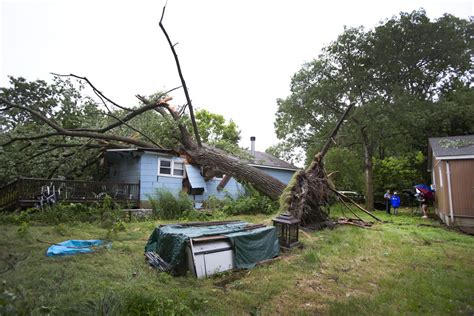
x=106, y=213
x=251, y=203
x=167, y=206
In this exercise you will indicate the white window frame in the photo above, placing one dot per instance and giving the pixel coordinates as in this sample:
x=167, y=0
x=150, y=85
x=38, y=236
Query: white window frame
x=172, y=168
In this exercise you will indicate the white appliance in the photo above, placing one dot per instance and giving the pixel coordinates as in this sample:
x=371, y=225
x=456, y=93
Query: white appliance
x=209, y=255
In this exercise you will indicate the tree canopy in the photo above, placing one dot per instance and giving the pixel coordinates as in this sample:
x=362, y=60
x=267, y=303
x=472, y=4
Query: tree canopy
x=63, y=101
x=400, y=77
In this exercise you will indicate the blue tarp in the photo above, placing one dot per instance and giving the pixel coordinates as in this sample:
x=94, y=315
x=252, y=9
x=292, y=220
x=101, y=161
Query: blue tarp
x=72, y=247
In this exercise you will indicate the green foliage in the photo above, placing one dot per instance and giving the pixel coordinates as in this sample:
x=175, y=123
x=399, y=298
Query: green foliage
x=107, y=214
x=166, y=206
x=398, y=173
x=62, y=100
x=408, y=80
x=23, y=229
x=347, y=168
x=214, y=129
x=252, y=202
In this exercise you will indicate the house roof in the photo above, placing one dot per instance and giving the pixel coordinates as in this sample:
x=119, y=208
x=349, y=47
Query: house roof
x=262, y=159
x=453, y=147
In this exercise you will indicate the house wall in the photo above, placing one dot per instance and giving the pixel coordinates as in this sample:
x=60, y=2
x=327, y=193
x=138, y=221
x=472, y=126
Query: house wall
x=282, y=175
x=150, y=181
x=143, y=167
x=124, y=167
x=235, y=189
x=232, y=188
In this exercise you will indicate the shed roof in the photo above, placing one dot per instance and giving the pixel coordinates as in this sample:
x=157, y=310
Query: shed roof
x=453, y=147
x=266, y=160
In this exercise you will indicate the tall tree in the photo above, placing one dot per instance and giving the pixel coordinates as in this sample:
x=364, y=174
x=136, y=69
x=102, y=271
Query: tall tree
x=392, y=75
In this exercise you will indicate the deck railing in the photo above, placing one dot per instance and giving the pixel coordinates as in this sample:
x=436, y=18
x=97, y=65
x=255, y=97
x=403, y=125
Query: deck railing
x=24, y=192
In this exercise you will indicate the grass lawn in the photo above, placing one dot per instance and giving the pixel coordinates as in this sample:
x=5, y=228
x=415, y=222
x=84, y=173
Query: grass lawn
x=405, y=266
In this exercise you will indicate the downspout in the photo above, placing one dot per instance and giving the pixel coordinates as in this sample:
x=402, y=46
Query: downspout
x=450, y=194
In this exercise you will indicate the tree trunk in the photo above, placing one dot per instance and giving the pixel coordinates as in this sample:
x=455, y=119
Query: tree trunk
x=218, y=160
x=369, y=176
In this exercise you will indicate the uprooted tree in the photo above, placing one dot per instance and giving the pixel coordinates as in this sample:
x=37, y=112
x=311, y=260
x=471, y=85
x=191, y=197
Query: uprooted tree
x=306, y=196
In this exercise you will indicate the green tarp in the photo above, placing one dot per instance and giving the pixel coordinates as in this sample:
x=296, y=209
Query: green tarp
x=251, y=246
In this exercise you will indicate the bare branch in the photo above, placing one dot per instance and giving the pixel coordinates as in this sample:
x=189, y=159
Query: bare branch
x=334, y=131
x=183, y=83
x=96, y=91
x=130, y=115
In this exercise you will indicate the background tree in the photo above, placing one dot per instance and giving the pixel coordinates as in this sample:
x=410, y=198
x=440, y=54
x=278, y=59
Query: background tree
x=52, y=154
x=395, y=75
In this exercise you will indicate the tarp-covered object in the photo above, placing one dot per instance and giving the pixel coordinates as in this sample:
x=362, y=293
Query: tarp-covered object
x=72, y=247
x=254, y=245
x=250, y=246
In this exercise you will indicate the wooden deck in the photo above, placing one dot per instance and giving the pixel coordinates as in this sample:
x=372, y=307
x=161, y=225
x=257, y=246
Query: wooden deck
x=25, y=192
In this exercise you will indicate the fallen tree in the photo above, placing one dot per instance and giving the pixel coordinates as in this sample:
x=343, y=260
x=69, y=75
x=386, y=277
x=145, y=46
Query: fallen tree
x=306, y=197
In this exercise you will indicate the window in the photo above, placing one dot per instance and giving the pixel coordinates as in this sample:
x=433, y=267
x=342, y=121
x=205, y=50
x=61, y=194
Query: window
x=167, y=167
x=178, y=169
x=164, y=166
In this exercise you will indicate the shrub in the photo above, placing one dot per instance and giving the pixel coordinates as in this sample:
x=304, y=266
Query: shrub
x=166, y=206
x=252, y=202
x=107, y=213
x=213, y=203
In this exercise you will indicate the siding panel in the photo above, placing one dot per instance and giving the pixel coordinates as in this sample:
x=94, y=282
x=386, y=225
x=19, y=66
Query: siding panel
x=149, y=179
x=462, y=181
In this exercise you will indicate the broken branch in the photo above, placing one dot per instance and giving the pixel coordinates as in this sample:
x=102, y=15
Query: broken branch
x=183, y=83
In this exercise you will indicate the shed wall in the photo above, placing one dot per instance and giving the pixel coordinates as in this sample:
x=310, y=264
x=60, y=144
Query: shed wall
x=462, y=180
x=441, y=181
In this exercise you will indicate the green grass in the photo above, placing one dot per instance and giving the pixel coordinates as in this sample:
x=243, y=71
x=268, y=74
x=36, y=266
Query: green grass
x=401, y=266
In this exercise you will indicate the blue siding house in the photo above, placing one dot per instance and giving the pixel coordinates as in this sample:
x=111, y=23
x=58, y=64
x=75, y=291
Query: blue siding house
x=160, y=170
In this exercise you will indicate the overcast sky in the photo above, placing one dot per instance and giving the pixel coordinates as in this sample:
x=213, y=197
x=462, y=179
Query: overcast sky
x=237, y=57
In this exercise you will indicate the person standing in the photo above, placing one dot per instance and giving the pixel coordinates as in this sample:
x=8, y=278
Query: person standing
x=423, y=202
x=387, y=196
x=395, y=201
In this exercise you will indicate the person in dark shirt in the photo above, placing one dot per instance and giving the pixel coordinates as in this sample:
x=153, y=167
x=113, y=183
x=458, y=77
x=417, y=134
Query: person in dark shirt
x=387, y=196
